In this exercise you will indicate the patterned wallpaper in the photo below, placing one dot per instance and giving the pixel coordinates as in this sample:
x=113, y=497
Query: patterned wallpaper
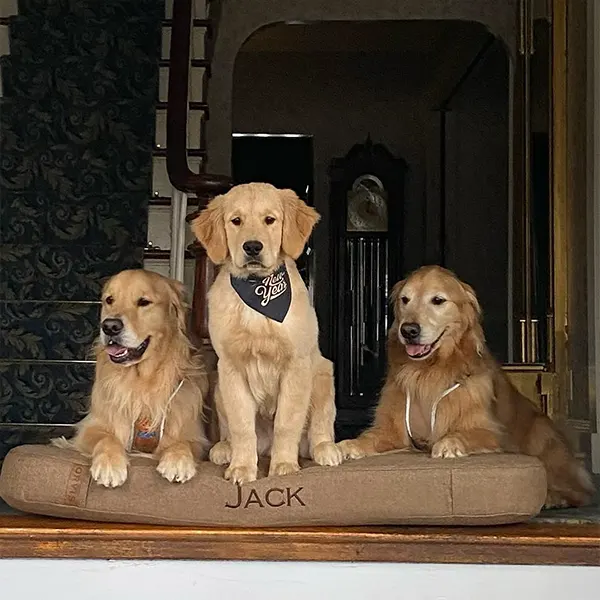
x=77, y=129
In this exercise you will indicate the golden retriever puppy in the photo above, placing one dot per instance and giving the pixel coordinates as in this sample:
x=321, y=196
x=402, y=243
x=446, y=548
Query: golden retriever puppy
x=273, y=383
x=445, y=394
x=149, y=382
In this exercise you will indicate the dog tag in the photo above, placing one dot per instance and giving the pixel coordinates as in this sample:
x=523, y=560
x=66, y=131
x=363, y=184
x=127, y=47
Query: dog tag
x=145, y=437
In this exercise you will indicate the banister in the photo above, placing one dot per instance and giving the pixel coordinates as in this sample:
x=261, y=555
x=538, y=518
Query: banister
x=178, y=170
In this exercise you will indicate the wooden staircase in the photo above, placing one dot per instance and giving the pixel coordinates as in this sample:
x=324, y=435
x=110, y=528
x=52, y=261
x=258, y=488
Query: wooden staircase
x=180, y=184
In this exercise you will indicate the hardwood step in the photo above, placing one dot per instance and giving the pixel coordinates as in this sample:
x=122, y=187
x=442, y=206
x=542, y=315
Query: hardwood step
x=25, y=536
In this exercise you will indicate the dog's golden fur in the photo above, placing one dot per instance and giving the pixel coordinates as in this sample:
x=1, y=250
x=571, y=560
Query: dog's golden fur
x=275, y=391
x=485, y=413
x=144, y=387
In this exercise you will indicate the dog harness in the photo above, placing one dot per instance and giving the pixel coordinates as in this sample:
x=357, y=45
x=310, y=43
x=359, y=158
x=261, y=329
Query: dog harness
x=270, y=296
x=433, y=411
x=144, y=437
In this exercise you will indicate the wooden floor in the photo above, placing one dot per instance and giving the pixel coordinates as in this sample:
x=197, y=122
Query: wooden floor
x=543, y=544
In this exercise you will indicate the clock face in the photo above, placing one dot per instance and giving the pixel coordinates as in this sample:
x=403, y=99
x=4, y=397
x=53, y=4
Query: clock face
x=367, y=205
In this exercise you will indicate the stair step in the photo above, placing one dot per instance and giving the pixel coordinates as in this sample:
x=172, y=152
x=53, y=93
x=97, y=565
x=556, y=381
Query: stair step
x=36, y=39
x=80, y=80
x=155, y=254
x=196, y=62
x=193, y=152
x=48, y=330
x=45, y=272
x=192, y=105
x=45, y=392
x=83, y=8
x=195, y=23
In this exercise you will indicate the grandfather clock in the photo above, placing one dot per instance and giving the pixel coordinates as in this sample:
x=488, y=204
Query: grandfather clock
x=366, y=196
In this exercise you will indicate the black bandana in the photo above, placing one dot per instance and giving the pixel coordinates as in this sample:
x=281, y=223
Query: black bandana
x=271, y=296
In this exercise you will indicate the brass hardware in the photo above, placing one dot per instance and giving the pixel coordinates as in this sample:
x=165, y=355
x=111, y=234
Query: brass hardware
x=534, y=357
x=523, y=323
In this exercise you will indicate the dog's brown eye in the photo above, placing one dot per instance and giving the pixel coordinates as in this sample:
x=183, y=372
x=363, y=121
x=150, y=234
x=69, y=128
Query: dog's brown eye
x=143, y=302
x=405, y=300
x=109, y=300
x=236, y=221
x=269, y=220
x=437, y=300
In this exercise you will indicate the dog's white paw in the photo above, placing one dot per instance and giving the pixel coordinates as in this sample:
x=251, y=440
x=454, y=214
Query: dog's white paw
x=283, y=468
x=328, y=454
x=351, y=449
x=220, y=453
x=449, y=447
x=241, y=474
x=109, y=470
x=177, y=467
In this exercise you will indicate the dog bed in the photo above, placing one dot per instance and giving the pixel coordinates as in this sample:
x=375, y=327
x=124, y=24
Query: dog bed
x=398, y=488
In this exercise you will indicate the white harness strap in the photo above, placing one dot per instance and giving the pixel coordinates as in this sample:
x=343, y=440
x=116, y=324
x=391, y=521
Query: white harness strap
x=161, y=428
x=433, y=410
x=164, y=418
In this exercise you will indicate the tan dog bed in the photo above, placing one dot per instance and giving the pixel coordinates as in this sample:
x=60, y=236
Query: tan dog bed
x=399, y=488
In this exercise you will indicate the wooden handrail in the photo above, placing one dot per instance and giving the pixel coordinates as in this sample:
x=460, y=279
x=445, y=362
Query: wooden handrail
x=178, y=170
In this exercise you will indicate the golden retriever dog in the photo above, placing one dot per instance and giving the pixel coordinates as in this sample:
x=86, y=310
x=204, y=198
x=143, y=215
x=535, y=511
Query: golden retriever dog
x=445, y=394
x=275, y=391
x=149, y=382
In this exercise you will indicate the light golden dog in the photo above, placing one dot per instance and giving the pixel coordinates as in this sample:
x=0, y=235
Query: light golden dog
x=275, y=391
x=445, y=394
x=149, y=382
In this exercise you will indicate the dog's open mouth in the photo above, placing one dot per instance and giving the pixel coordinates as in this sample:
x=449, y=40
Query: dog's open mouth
x=121, y=354
x=420, y=351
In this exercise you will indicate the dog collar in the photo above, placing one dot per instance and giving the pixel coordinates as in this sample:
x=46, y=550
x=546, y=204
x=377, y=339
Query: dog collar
x=270, y=296
x=145, y=435
x=433, y=411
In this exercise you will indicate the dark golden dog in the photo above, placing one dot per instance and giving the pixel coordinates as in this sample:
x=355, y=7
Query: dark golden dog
x=445, y=394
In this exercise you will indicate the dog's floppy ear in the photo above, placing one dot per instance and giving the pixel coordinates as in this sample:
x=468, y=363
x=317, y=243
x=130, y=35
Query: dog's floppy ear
x=476, y=331
x=472, y=299
x=298, y=222
x=178, y=303
x=395, y=293
x=209, y=229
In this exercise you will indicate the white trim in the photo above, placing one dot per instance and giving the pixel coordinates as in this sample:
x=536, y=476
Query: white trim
x=178, y=225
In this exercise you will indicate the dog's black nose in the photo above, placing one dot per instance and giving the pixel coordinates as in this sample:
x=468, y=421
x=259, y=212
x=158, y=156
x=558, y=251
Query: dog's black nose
x=252, y=247
x=410, y=331
x=112, y=326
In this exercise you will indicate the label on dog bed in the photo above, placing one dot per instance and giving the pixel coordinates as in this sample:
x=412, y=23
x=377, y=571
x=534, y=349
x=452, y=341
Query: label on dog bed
x=145, y=437
x=271, y=296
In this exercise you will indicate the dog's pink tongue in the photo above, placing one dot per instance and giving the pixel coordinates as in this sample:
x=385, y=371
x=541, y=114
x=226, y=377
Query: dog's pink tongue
x=116, y=350
x=417, y=349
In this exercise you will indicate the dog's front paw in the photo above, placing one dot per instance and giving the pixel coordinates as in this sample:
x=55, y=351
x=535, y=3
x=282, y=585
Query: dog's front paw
x=177, y=466
x=241, y=474
x=449, y=447
x=283, y=468
x=351, y=449
x=220, y=453
x=328, y=454
x=109, y=470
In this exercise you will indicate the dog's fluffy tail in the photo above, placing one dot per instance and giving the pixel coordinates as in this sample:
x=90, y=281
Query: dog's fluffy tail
x=569, y=483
